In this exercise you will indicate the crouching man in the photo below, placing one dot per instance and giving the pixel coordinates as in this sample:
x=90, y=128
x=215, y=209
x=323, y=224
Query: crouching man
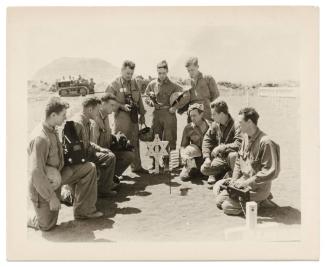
x=45, y=152
x=257, y=164
x=192, y=142
x=101, y=135
x=220, y=143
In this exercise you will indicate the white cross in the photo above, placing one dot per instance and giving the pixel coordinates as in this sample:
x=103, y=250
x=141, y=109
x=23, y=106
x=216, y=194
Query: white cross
x=157, y=149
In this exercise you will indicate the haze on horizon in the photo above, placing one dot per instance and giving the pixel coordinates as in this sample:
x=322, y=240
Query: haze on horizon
x=227, y=48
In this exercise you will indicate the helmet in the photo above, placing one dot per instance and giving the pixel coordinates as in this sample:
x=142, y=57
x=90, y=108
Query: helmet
x=146, y=134
x=192, y=151
x=180, y=99
x=54, y=177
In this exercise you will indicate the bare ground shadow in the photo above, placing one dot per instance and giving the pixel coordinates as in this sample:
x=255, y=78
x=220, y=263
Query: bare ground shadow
x=78, y=230
x=134, y=185
x=285, y=215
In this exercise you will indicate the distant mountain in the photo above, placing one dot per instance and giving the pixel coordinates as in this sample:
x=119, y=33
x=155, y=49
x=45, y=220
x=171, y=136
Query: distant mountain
x=98, y=69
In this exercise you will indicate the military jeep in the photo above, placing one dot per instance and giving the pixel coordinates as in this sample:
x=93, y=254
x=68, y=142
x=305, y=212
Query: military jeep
x=72, y=88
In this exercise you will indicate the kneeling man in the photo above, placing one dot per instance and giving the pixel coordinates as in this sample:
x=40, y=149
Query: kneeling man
x=45, y=152
x=257, y=164
x=103, y=158
x=192, y=142
x=101, y=134
x=220, y=143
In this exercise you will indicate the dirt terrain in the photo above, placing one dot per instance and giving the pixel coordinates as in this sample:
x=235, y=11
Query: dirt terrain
x=145, y=210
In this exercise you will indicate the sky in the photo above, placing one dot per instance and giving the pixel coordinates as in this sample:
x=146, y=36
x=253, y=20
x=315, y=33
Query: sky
x=233, y=45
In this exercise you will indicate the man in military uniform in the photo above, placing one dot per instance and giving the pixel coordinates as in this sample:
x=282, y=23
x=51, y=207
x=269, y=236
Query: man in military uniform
x=257, y=164
x=192, y=142
x=103, y=158
x=159, y=92
x=131, y=110
x=101, y=134
x=220, y=143
x=46, y=150
x=204, y=88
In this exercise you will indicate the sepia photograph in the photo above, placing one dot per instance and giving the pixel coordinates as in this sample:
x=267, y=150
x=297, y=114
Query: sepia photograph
x=164, y=125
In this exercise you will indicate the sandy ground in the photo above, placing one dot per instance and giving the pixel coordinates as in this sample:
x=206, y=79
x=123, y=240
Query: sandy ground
x=146, y=210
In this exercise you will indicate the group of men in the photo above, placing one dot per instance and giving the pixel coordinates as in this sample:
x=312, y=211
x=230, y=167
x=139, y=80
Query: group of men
x=212, y=144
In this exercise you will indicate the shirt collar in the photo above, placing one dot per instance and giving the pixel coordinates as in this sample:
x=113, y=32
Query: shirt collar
x=255, y=136
x=49, y=128
x=199, y=76
x=85, y=120
x=102, y=114
x=165, y=81
x=228, y=122
x=123, y=81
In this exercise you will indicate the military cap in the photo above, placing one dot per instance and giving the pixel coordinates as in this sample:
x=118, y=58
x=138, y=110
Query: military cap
x=194, y=106
x=162, y=64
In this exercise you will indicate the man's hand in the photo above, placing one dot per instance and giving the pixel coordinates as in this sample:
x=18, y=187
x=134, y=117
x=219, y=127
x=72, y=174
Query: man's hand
x=218, y=150
x=207, y=162
x=183, y=159
x=142, y=119
x=104, y=150
x=172, y=110
x=149, y=102
x=54, y=203
x=240, y=183
x=126, y=107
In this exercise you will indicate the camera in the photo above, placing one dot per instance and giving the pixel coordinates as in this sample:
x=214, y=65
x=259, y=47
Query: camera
x=239, y=194
x=134, y=109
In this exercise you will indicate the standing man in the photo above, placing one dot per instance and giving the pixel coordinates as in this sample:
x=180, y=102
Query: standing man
x=103, y=158
x=192, y=142
x=204, y=88
x=220, y=143
x=130, y=111
x=44, y=151
x=101, y=134
x=159, y=92
x=257, y=164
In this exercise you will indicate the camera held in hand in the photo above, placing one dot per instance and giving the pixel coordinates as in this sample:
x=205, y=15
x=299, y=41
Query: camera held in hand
x=239, y=194
x=134, y=109
x=121, y=143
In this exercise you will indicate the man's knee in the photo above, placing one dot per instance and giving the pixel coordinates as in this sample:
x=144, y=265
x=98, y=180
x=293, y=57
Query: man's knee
x=205, y=170
x=231, y=207
x=209, y=170
x=110, y=159
x=88, y=172
x=217, y=187
x=220, y=199
x=90, y=166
